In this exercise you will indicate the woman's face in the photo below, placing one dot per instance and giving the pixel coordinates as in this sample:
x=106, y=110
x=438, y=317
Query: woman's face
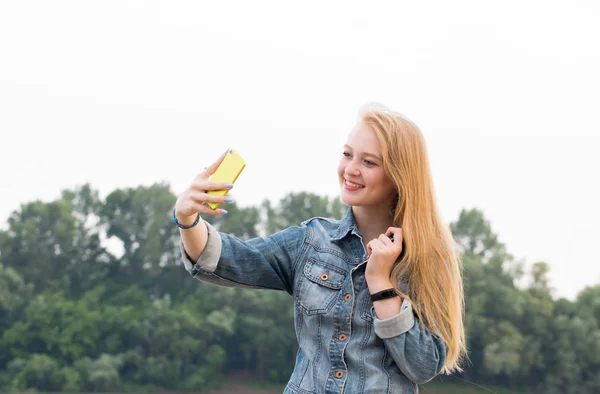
x=362, y=178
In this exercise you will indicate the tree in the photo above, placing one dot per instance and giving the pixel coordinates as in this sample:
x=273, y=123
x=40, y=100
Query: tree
x=76, y=316
x=57, y=239
x=294, y=208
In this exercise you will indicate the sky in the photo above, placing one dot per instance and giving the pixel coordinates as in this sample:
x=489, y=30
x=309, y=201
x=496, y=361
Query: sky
x=127, y=93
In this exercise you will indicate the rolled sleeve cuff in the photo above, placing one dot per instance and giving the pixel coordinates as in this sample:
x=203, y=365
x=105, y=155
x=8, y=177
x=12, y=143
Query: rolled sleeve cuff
x=395, y=325
x=210, y=255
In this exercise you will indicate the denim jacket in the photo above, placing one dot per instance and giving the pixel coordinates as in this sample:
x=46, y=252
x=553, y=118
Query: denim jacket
x=343, y=346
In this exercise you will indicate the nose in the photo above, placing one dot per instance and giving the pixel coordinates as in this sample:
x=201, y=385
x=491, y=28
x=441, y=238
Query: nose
x=351, y=169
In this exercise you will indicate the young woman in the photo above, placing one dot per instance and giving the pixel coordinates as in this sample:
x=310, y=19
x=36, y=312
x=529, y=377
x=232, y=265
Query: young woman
x=378, y=295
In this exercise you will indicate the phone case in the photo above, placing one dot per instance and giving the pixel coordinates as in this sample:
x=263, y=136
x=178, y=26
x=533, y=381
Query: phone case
x=229, y=170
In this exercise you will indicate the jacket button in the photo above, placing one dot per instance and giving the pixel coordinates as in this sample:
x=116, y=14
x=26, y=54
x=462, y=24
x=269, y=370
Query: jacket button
x=342, y=337
x=324, y=277
x=347, y=297
x=339, y=374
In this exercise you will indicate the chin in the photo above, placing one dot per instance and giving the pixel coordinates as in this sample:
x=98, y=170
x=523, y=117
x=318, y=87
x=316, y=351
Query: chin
x=344, y=197
x=350, y=200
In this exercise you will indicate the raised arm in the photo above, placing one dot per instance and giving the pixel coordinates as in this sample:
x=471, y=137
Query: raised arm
x=191, y=203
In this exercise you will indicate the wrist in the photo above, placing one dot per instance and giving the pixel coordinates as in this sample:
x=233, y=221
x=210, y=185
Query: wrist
x=384, y=295
x=185, y=222
x=378, y=284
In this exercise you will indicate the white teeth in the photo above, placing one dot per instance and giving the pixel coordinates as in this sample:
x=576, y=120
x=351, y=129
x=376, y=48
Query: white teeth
x=355, y=185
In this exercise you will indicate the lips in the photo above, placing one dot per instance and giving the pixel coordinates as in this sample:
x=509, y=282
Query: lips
x=353, y=185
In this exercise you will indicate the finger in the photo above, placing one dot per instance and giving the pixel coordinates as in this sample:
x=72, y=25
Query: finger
x=199, y=207
x=211, y=169
x=205, y=209
x=371, y=245
x=201, y=197
x=396, y=232
x=190, y=208
x=385, y=240
x=203, y=185
x=375, y=244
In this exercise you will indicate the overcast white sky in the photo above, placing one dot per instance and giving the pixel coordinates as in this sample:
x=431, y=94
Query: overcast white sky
x=128, y=93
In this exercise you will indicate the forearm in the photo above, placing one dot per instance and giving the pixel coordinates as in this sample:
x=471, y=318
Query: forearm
x=418, y=353
x=194, y=239
x=266, y=263
x=388, y=307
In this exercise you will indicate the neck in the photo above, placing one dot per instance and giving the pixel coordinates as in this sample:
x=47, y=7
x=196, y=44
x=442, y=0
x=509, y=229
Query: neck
x=372, y=221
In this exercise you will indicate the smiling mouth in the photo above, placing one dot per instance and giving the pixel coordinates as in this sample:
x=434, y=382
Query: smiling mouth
x=353, y=185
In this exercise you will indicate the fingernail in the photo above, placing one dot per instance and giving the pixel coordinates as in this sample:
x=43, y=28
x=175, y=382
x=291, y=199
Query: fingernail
x=228, y=199
x=229, y=185
x=224, y=212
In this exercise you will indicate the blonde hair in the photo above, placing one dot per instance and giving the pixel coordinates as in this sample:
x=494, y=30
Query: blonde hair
x=430, y=262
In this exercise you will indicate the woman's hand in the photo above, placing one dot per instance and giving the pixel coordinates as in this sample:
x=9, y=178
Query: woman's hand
x=383, y=253
x=193, y=199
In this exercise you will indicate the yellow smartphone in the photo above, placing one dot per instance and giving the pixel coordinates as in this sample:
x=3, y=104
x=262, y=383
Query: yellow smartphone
x=229, y=170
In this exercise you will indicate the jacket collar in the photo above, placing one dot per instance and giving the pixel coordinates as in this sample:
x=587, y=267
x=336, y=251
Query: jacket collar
x=346, y=225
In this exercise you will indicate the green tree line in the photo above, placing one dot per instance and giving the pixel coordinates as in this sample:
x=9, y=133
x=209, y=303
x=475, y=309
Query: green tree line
x=93, y=297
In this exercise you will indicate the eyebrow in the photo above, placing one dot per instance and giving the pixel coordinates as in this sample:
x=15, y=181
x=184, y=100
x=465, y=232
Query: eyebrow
x=365, y=153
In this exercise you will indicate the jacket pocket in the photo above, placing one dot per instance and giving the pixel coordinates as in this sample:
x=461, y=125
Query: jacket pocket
x=293, y=389
x=319, y=287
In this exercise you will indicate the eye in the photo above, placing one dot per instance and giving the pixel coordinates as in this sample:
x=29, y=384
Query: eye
x=369, y=163
x=346, y=154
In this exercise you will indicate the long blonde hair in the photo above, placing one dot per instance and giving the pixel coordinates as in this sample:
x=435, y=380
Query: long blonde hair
x=430, y=262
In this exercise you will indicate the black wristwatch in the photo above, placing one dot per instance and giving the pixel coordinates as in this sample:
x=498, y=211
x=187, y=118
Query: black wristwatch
x=381, y=295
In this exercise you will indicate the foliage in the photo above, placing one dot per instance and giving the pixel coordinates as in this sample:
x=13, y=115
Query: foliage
x=93, y=297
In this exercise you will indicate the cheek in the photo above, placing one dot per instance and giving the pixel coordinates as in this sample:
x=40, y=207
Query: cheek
x=382, y=182
x=340, y=169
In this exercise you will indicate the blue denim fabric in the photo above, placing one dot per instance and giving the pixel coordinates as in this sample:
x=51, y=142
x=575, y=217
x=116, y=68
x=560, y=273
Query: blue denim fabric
x=321, y=263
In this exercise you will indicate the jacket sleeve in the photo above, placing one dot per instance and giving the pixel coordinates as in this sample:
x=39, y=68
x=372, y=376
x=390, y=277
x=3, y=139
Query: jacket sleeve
x=418, y=353
x=263, y=263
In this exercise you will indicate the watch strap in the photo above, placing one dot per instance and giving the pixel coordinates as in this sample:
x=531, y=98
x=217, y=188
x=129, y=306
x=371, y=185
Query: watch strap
x=383, y=294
